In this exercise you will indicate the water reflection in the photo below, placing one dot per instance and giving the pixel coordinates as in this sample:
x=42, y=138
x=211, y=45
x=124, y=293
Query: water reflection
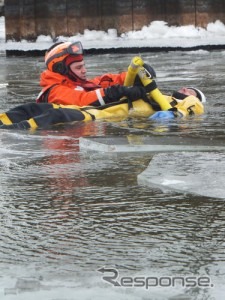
x=65, y=214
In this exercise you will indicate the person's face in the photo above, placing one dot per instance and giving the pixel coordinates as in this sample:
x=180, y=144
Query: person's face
x=187, y=91
x=79, y=69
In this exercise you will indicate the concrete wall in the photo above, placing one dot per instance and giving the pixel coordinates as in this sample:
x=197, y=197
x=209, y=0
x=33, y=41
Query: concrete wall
x=27, y=19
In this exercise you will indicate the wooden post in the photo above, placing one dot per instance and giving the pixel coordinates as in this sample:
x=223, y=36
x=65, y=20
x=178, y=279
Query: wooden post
x=27, y=20
x=181, y=12
x=83, y=15
x=51, y=17
x=108, y=14
x=124, y=15
x=141, y=14
x=209, y=11
x=12, y=19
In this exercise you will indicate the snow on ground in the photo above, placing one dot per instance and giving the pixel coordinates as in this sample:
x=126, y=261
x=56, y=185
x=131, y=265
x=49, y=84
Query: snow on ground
x=156, y=34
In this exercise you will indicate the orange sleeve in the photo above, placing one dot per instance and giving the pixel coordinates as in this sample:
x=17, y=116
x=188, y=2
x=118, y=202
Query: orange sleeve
x=109, y=79
x=67, y=96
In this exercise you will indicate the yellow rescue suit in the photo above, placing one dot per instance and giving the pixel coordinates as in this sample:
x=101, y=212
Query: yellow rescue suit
x=33, y=115
x=43, y=115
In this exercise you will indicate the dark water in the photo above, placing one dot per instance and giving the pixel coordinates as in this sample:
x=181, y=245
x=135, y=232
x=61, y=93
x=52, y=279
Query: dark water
x=66, y=213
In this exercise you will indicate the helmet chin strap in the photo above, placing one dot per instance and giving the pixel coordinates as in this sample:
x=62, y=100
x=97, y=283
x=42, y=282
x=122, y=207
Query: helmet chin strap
x=87, y=85
x=73, y=76
x=178, y=95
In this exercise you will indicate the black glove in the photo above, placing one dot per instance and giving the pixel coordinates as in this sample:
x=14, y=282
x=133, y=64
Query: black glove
x=150, y=72
x=116, y=92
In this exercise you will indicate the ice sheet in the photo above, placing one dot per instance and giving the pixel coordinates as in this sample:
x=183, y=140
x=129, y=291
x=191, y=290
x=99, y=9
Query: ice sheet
x=135, y=143
x=197, y=173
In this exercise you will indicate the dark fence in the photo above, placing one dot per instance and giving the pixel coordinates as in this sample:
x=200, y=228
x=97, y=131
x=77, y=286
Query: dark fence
x=27, y=19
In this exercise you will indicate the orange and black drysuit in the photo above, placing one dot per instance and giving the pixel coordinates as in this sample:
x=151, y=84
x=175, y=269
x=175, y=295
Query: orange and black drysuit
x=60, y=89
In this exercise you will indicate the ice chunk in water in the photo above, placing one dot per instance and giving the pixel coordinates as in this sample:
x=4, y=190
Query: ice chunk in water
x=200, y=173
x=137, y=143
x=28, y=284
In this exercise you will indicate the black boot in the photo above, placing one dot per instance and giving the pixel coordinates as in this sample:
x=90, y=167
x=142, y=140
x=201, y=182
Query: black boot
x=21, y=125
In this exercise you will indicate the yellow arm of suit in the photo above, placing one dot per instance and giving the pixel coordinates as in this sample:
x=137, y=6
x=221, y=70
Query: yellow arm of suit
x=160, y=99
x=132, y=71
x=154, y=92
x=135, y=68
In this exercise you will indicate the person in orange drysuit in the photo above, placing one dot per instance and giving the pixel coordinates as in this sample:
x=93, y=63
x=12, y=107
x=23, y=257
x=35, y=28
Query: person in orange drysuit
x=65, y=80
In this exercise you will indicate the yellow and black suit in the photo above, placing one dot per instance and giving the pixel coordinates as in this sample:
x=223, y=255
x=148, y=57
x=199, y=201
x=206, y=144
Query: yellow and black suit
x=43, y=115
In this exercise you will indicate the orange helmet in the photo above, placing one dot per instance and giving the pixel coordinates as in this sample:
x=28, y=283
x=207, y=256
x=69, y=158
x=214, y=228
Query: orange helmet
x=61, y=55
